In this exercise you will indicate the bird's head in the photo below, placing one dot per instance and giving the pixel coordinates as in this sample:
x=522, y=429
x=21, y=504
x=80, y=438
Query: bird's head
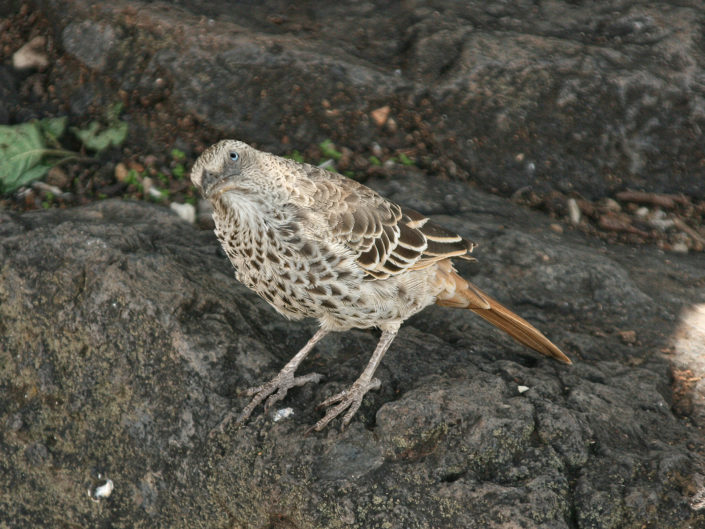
x=233, y=167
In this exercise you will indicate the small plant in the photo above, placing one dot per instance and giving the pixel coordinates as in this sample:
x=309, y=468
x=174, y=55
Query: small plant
x=178, y=155
x=296, y=156
x=135, y=179
x=374, y=160
x=48, y=199
x=178, y=171
x=329, y=151
x=405, y=160
x=97, y=137
x=29, y=150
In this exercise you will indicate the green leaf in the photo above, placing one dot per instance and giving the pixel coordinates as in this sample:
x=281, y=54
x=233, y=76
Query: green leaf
x=178, y=171
x=296, y=156
x=21, y=151
x=96, y=139
x=53, y=128
x=328, y=149
x=178, y=154
x=113, y=113
x=404, y=159
x=29, y=176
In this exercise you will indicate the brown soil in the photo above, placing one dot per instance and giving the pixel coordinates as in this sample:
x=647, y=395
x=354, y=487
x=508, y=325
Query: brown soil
x=673, y=223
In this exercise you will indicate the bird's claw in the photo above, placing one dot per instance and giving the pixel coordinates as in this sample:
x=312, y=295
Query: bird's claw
x=274, y=391
x=349, y=399
x=282, y=383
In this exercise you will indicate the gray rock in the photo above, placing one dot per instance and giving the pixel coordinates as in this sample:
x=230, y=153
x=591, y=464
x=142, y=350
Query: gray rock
x=124, y=339
x=565, y=95
x=90, y=42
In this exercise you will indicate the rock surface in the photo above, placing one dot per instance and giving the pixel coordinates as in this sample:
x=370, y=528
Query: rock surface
x=575, y=96
x=124, y=339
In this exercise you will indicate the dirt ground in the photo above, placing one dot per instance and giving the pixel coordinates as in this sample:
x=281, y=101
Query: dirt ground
x=142, y=169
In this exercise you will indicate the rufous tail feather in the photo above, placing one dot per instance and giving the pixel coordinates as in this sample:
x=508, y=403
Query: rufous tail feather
x=468, y=296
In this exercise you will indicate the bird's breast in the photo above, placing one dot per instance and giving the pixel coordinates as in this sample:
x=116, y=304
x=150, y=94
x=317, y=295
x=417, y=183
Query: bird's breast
x=297, y=274
x=303, y=275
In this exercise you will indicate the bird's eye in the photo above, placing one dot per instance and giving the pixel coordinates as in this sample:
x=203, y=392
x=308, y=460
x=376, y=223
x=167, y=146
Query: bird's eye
x=234, y=156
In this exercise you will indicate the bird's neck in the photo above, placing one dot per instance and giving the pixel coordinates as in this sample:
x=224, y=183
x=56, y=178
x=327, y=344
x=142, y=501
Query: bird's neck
x=240, y=222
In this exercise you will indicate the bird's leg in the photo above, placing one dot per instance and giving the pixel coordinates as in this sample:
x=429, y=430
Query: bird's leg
x=351, y=398
x=280, y=384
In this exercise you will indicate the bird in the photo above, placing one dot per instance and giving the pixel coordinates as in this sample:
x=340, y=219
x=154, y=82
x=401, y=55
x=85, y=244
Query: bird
x=316, y=244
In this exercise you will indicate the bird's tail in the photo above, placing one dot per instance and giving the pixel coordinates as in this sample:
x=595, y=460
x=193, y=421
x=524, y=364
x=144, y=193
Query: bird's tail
x=462, y=294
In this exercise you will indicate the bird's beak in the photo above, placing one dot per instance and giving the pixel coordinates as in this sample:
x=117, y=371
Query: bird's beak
x=214, y=184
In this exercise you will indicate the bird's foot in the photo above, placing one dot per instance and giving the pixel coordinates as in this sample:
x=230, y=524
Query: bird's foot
x=274, y=391
x=350, y=400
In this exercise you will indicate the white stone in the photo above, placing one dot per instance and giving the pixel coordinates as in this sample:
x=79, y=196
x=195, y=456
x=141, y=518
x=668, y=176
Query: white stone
x=186, y=211
x=31, y=55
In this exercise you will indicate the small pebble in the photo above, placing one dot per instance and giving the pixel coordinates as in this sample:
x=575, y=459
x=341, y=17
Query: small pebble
x=697, y=502
x=573, y=212
x=380, y=115
x=58, y=177
x=147, y=185
x=31, y=55
x=556, y=228
x=345, y=158
x=136, y=166
x=283, y=413
x=104, y=491
x=628, y=337
x=155, y=193
x=522, y=389
x=121, y=172
x=391, y=125
x=47, y=188
x=642, y=212
x=613, y=223
x=185, y=211
x=679, y=247
x=610, y=204
x=662, y=224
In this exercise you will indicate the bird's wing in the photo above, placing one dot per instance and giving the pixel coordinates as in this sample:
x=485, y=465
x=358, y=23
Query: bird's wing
x=386, y=238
